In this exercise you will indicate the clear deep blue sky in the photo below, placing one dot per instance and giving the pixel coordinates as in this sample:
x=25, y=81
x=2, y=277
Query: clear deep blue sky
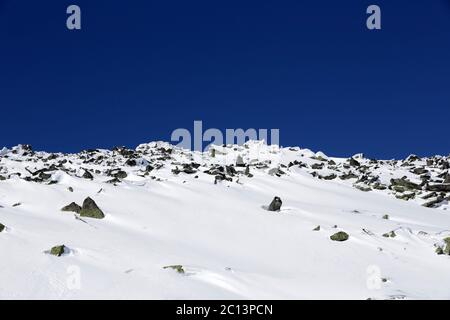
x=139, y=69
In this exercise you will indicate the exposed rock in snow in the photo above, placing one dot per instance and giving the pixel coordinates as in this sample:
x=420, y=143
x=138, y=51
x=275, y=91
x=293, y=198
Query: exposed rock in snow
x=200, y=214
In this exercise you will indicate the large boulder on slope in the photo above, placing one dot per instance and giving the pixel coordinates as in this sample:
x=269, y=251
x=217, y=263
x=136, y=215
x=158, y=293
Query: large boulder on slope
x=339, y=236
x=91, y=210
x=275, y=205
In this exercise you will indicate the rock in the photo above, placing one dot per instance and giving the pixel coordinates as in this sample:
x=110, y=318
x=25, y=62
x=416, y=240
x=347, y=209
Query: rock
x=386, y=217
x=70, y=189
x=339, y=236
x=177, y=268
x=329, y=177
x=87, y=175
x=447, y=247
x=353, y=162
x=317, y=166
x=390, y=235
x=316, y=228
x=131, y=162
x=444, y=187
x=405, y=183
x=91, y=210
x=406, y=196
x=433, y=203
x=362, y=187
x=275, y=205
x=120, y=174
x=379, y=186
x=73, y=207
x=58, y=250
x=419, y=171
x=2, y=227
x=348, y=176
x=240, y=161
x=439, y=250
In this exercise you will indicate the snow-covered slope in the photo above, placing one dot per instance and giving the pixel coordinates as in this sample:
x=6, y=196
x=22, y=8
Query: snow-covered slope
x=208, y=215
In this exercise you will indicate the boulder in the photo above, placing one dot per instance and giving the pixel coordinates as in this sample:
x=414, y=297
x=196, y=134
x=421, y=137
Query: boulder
x=405, y=183
x=58, y=250
x=275, y=205
x=443, y=187
x=2, y=227
x=91, y=210
x=87, y=175
x=73, y=207
x=339, y=236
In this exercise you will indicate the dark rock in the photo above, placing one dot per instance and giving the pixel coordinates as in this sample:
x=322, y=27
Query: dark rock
x=348, y=176
x=353, y=162
x=131, y=162
x=329, y=177
x=433, y=203
x=317, y=166
x=87, y=175
x=419, y=171
x=444, y=187
x=316, y=228
x=275, y=205
x=339, y=236
x=73, y=207
x=58, y=250
x=405, y=183
x=2, y=227
x=390, y=235
x=177, y=268
x=91, y=210
x=406, y=196
x=447, y=246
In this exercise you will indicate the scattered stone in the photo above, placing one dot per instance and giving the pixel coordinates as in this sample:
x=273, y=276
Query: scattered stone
x=316, y=228
x=73, y=207
x=177, y=268
x=58, y=250
x=362, y=187
x=339, y=236
x=348, y=176
x=91, y=210
x=17, y=204
x=406, y=196
x=2, y=227
x=275, y=205
x=444, y=187
x=353, y=162
x=447, y=246
x=403, y=182
x=87, y=175
x=386, y=217
x=390, y=235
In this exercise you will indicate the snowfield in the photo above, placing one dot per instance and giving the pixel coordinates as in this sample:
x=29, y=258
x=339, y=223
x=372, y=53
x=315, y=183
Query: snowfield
x=206, y=215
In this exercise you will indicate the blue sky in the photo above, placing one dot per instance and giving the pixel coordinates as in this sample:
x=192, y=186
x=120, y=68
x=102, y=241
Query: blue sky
x=140, y=69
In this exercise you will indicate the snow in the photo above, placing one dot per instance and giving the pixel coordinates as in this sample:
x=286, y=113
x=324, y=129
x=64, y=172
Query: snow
x=229, y=246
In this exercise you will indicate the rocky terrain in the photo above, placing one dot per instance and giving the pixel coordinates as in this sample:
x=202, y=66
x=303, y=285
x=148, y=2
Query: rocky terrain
x=251, y=221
